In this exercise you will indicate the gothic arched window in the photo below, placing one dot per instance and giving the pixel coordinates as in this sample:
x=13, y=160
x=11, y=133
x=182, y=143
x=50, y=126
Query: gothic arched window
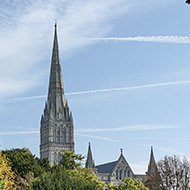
x=117, y=174
x=58, y=136
x=54, y=135
x=125, y=173
x=128, y=173
x=120, y=174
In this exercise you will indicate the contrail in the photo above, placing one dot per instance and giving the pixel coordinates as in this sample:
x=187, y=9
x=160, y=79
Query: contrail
x=144, y=127
x=130, y=88
x=159, y=39
x=20, y=132
x=96, y=137
x=94, y=130
x=101, y=90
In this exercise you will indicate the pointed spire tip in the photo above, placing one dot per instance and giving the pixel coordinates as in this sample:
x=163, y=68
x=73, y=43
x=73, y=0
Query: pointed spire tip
x=55, y=23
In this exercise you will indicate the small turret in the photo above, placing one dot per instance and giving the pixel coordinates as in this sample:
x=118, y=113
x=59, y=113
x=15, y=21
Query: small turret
x=89, y=161
x=152, y=167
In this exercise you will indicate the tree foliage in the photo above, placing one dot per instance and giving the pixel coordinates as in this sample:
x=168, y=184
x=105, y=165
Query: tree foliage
x=60, y=179
x=174, y=173
x=128, y=184
x=188, y=1
x=7, y=176
x=70, y=160
x=25, y=165
x=23, y=162
x=154, y=181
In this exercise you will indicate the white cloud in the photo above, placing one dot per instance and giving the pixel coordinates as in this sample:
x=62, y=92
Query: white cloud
x=26, y=34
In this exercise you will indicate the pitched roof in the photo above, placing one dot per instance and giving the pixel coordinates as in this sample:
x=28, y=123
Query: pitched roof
x=106, y=168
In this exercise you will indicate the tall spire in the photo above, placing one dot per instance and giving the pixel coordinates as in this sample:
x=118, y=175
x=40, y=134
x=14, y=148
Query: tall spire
x=89, y=160
x=152, y=163
x=56, y=126
x=56, y=99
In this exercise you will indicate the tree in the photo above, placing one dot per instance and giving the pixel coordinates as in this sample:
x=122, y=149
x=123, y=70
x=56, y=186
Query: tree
x=67, y=175
x=188, y=1
x=154, y=181
x=24, y=164
x=7, y=176
x=174, y=173
x=60, y=179
x=44, y=163
x=70, y=160
x=128, y=184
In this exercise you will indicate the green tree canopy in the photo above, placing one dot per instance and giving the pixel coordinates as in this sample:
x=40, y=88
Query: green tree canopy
x=128, y=184
x=23, y=162
x=60, y=179
x=7, y=176
x=70, y=160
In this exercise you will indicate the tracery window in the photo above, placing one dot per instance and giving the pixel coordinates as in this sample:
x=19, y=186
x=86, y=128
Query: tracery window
x=125, y=173
x=117, y=174
x=58, y=136
x=54, y=135
x=128, y=173
x=120, y=174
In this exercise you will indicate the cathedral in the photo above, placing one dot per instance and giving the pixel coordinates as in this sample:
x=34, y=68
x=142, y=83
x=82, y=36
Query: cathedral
x=57, y=131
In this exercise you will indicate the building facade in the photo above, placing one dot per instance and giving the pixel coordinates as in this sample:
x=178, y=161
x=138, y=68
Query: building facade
x=57, y=131
x=114, y=172
x=56, y=127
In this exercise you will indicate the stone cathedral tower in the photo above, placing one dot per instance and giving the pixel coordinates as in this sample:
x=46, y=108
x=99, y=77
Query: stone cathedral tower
x=56, y=130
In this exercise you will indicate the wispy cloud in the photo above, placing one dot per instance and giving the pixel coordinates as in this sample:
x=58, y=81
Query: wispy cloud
x=102, y=90
x=159, y=39
x=27, y=28
x=80, y=131
x=20, y=132
x=129, y=128
x=96, y=137
x=166, y=150
x=37, y=132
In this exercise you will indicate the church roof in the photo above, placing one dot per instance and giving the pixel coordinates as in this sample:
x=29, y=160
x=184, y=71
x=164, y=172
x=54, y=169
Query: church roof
x=106, y=168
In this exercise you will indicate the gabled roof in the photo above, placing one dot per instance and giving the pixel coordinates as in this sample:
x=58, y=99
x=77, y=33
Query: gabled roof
x=106, y=168
x=111, y=166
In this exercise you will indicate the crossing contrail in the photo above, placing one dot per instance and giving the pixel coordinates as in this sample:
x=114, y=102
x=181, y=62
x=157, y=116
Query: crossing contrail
x=101, y=91
x=159, y=39
x=130, y=88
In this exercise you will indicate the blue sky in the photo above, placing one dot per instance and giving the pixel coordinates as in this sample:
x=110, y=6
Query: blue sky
x=131, y=58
